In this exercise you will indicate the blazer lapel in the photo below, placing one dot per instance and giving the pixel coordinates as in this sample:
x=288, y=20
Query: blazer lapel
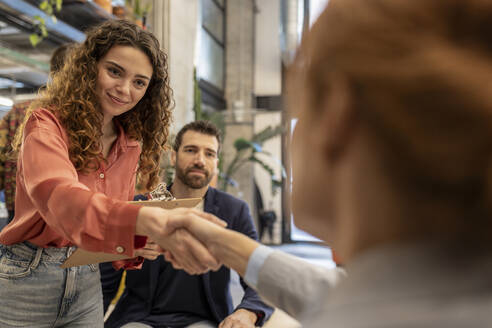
x=210, y=206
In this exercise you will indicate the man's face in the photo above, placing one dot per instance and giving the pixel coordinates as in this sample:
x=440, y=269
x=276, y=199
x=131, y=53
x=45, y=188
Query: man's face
x=196, y=159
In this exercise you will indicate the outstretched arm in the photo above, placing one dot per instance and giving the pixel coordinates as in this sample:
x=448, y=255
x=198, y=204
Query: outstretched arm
x=232, y=248
x=282, y=279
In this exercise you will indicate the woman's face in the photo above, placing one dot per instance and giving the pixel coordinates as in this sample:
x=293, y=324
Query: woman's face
x=123, y=77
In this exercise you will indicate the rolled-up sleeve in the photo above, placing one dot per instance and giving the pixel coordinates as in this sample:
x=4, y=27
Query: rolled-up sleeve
x=88, y=219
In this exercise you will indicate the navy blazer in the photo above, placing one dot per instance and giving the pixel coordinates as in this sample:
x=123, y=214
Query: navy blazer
x=142, y=286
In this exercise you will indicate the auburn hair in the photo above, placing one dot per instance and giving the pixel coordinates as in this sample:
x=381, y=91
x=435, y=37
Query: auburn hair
x=418, y=73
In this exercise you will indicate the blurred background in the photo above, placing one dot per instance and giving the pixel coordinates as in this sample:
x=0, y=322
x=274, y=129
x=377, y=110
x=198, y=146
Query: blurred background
x=227, y=61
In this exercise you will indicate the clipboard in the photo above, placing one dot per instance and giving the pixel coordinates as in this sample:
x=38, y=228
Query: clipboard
x=83, y=257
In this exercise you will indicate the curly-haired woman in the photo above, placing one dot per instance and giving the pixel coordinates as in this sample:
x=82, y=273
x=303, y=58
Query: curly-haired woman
x=100, y=122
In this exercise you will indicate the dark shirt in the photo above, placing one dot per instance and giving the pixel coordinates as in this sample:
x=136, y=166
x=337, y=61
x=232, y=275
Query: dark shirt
x=172, y=300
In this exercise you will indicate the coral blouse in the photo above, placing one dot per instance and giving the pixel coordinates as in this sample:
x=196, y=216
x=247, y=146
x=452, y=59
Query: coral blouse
x=56, y=206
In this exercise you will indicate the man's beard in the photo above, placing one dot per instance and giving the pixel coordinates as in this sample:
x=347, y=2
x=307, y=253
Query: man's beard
x=193, y=181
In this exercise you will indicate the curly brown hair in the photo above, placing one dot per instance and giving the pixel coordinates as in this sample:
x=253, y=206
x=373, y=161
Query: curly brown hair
x=71, y=96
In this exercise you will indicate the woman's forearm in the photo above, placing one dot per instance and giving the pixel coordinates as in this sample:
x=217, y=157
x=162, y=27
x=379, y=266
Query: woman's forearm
x=233, y=249
x=146, y=225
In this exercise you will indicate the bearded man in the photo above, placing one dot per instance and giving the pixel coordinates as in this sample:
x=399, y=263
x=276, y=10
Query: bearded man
x=161, y=296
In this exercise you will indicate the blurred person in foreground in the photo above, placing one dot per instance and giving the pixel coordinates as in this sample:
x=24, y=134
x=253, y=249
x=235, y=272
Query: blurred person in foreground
x=392, y=166
x=8, y=128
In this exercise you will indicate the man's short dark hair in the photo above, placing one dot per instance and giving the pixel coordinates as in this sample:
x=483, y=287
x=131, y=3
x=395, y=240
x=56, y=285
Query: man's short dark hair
x=58, y=57
x=204, y=127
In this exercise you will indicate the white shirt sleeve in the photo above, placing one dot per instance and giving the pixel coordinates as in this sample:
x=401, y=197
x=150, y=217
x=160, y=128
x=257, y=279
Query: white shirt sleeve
x=256, y=261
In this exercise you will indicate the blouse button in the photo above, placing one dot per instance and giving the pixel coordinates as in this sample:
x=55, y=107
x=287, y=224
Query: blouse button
x=101, y=175
x=120, y=249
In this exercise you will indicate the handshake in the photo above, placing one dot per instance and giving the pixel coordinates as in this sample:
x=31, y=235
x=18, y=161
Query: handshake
x=192, y=240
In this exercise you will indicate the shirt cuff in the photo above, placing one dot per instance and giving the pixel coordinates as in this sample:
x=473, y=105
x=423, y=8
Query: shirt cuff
x=139, y=241
x=129, y=264
x=256, y=261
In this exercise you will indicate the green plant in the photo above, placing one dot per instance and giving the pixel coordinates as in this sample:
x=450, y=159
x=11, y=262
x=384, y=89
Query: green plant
x=216, y=117
x=49, y=7
x=138, y=8
x=247, y=151
x=167, y=170
x=197, y=97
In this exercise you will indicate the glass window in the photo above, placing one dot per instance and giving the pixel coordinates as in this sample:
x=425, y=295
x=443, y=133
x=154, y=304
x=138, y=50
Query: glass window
x=213, y=19
x=297, y=234
x=316, y=7
x=211, y=61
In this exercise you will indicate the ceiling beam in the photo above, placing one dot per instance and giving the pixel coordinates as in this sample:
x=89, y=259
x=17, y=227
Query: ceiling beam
x=59, y=27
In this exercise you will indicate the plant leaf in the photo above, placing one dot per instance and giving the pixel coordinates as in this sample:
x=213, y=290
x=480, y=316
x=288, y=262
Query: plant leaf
x=148, y=8
x=44, y=30
x=276, y=185
x=34, y=38
x=44, y=5
x=267, y=133
x=242, y=144
x=38, y=19
x=264, y=165
x=137, y=10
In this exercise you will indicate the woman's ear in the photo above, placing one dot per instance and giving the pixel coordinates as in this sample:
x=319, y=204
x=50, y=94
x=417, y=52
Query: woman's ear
x=337, y=116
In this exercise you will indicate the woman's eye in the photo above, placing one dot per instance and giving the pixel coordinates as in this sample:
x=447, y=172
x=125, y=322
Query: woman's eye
x=113, y=71
x=140, y=83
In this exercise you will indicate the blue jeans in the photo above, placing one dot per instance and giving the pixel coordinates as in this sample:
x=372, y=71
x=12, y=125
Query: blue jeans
x=36, y=292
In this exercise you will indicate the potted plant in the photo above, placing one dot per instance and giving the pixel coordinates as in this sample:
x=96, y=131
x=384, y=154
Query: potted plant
x=247, y=151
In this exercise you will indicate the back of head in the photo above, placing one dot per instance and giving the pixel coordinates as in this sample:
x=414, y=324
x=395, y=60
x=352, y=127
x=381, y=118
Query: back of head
x=418, y=73
x=58, y=58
